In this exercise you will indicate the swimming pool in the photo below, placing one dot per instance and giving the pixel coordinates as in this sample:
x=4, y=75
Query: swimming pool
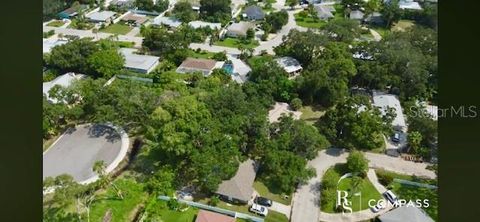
x=228, y=68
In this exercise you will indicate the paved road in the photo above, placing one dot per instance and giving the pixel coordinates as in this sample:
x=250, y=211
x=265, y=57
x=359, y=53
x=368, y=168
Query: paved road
x=307, y=198
x=78, y=149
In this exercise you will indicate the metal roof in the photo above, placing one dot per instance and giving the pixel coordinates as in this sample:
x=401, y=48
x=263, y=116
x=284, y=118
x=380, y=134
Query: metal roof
x=139, y=62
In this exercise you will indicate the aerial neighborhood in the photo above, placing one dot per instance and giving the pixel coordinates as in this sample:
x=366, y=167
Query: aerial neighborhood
x=240, y=110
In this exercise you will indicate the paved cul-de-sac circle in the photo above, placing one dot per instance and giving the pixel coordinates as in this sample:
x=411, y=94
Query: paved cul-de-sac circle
x=77, y=150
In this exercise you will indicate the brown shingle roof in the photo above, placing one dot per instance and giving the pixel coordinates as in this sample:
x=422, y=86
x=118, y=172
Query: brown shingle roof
x=135, y=18
x=208, y=216
x=240, y=185
x=203, y=64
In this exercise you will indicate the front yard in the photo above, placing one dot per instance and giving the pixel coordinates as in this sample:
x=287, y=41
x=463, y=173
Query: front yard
x=309, y=22
x=235, y=43
x=117, y=28
x=271, y=193
x=56, y=23
x=413, y=193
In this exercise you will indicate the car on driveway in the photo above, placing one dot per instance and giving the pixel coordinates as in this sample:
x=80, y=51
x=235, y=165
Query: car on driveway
x=377, y=207
x=391, y=197
x=259, y=209
x=263, y=201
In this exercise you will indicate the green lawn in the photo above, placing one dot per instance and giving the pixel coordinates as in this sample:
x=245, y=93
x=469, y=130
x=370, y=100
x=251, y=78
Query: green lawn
x=121, y=209
x=309, y=22
x=56, y=23
x=271, y=194
x=366, y=190
x=402, y=25
x=234, y=43
x=120, y=29
x=201, y=55
x=406, y=177
x=311, y=114
x=380, y=29
x=274, y=216
x=177, y=216
x=414, y=193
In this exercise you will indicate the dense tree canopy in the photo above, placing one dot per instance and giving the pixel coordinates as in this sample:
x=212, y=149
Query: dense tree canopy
x=277, y=20
x=215, y=10
x=183, y=11
x=355, y=124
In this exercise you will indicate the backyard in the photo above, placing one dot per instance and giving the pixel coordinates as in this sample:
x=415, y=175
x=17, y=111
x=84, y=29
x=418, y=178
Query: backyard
x=117, y=28
x=311, y=114
x=235, y=43
x=122, y=210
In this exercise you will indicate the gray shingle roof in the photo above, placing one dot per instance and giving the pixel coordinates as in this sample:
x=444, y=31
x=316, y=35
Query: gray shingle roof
x=144, y=63
x=101, y=16
x=404, y=213
x=240, y=186
x=254, y=12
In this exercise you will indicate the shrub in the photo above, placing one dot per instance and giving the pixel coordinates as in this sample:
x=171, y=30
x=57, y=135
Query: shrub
x=214, y=201
x=296, y=103
x=220, y=56
x=173, y=204
x=384, y=178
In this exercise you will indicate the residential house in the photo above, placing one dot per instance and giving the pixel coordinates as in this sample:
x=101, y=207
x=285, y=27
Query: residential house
x=406, y=213
x=171, y=22
x=290, y=65
x=324, y=11
x=239, y=188
x=139, y=63
x=123, y=3
x=209, y=216
x=388, y=101
x=202, y=24
x=48, y=44
x=72, y=11
x=239, y=29
x=64, y=80
x=135, y=19
x=409, y=5
x=356, y=15
x=237, y=69
x=254, y=12
x=101, y=16
x=204, y=66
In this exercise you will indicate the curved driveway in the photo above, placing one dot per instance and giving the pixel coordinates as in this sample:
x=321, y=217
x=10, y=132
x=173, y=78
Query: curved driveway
x=307, y=198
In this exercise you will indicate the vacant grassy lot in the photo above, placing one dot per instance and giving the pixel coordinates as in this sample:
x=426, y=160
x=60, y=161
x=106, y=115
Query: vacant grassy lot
x=235, y=43
x=56, y=23
x=122, y=210
x=311, y=114
x=271, y=193
x=120, y=29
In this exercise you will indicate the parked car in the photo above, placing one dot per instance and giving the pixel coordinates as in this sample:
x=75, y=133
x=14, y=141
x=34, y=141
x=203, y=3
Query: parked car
x=263, y=201
x=185, y=195
x=377, y=207
x=391, y=197
x=259, y=209
x=396, y=137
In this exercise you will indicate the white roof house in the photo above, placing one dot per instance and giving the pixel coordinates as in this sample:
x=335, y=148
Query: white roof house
x=103, y=16
x=409, y=4
x=239, y=29
x=290, y=65
x=168, y=21
x=324, y=11
x=64, y=80
x=385, y=101
x=202, y=24
x=139, y=63
x=48, y=44
x=240, y=69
